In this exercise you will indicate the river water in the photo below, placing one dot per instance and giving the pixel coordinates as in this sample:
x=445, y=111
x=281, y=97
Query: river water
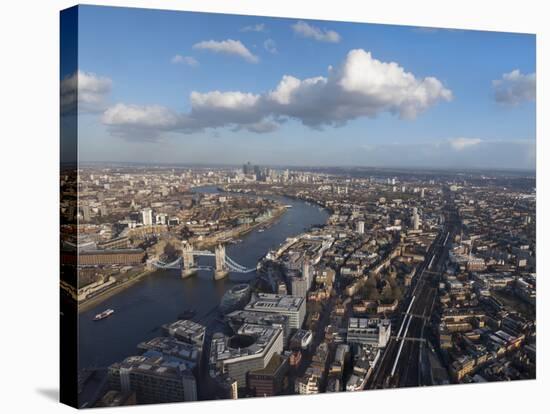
x=160, y=297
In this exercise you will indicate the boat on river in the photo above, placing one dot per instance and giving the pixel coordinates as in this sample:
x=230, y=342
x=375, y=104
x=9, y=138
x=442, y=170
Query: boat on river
x=104, y=314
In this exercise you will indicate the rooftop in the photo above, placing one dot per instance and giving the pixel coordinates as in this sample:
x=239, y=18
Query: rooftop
x=172, y=347
x=251, y=340
x=187, y=330
x=271, y=302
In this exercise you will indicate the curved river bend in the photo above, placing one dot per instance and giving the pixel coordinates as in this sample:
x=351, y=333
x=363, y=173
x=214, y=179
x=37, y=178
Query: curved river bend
x=160, y=297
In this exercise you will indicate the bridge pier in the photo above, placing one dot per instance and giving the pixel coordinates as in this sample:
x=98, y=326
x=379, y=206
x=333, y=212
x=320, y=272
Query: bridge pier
x=188, y=262
x=221, y=267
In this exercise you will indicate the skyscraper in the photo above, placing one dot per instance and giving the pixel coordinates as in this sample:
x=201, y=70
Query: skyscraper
x=415, y=219
x=86, y=213
x=147, y=216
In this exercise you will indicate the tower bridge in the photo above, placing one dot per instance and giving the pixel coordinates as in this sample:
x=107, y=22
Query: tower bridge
x=186, y=263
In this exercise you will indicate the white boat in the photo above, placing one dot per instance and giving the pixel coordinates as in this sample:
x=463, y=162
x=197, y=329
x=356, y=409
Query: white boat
x=104, y=314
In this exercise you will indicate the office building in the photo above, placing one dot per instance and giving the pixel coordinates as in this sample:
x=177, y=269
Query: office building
x=415, y=219
x=250, y=350
x=188, y=353
x=154, y=379
x=270, y=380
x=292, y=306
x=238, y=318
x=299, y=286
x=187, y=331
x=111, y=257
x=85, y=213
x=369, y=331
x=147, y=216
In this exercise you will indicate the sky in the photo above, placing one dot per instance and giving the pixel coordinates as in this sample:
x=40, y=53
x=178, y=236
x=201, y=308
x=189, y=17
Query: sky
x=177, y=87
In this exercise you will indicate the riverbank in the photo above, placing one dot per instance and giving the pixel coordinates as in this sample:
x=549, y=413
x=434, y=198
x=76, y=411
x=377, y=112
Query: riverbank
x=143, y=307
x=106, y=294
x=241, y=232
x=269, y=193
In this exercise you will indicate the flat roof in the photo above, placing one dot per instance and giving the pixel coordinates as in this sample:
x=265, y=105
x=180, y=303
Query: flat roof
x=263, y=335
x=272, y=302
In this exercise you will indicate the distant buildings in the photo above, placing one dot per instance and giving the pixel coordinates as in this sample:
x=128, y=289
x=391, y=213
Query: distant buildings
x=299, y=286
x=374, y=229
x=111, y=257
x=147, y=217
x=415, y=219
x=85, y=212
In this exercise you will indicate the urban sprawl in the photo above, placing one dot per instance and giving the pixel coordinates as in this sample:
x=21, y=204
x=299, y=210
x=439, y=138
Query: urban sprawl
x=417, y=278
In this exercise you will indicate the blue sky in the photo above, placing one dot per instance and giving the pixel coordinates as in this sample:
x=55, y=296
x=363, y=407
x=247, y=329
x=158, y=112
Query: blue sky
x=160, y=86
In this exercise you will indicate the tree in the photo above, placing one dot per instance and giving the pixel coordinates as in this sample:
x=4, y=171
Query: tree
x=372, y=293
x=397, y=293
x=387, y=293
x=170, y=251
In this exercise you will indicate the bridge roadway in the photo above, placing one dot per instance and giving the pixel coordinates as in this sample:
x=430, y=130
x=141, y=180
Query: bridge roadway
x=403, y=361
x=230, y=263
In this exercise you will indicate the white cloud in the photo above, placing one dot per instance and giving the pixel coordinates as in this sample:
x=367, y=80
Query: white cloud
x=88, y=88
x=459, y=144
x=143, y=116
x=322, y=35
x=361, y=86
x=141, y=123
x=270, y=46
x=514, y=88
x=260, y=27
x=187, y=60
x=229, y=47
x=225, y=100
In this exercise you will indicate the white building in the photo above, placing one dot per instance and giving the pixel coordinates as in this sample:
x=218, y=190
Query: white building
x=369, y=331
x=415, y=219
x=299, y=286
x=292, y=306
x=147, y=216
x=250, y=350
x=161, y=218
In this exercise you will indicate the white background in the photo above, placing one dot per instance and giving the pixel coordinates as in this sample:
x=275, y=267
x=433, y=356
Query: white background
x=29, y=146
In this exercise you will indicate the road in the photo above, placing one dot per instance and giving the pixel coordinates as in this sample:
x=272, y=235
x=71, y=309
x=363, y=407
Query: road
x=404, y=361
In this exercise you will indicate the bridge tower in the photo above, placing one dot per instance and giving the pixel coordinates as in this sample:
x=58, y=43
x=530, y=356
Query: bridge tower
x=188, y=261
x=221, y=267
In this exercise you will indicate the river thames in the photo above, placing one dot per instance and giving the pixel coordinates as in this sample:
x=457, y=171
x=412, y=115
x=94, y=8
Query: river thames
x=157, y=299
